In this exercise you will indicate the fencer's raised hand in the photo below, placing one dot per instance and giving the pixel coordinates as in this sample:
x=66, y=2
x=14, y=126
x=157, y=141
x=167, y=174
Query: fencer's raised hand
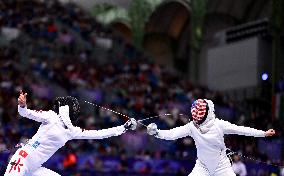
x=270, y=132
x=152, y=129
x=22, y=100
x=130, y=124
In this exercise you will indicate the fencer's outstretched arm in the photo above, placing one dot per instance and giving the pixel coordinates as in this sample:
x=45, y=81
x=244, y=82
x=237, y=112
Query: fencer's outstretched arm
x=229, y=128
x=172, y=134
x=39, y=116
x=100, y=134
x=79, y=133
x=105, y=133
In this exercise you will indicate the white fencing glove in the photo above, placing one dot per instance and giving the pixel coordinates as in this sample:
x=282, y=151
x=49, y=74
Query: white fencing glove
x=130, y=124
x=152, y=129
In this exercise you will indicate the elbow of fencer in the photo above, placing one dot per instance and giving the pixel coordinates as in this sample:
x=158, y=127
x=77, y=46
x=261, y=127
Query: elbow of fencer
x=23, y=114
x=22, y=111
x=171, y=138
x=168, y=138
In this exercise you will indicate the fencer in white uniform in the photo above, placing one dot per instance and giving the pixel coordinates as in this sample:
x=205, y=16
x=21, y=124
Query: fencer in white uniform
x=208, y=133
x=55, y=130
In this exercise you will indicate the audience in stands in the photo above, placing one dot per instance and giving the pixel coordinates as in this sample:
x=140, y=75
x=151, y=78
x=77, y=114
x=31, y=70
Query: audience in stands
x=132, y=84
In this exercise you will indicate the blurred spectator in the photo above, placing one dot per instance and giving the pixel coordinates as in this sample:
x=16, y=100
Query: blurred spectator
x=70, y=160
x=238, y=166
x=282, y=171
x=98, y=165
x=52, y=58
x=3, y=146
x=123, y=167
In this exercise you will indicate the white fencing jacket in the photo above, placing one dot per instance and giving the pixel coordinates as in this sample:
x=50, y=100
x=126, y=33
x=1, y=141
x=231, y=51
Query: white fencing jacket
x=209, y=137
x=53, y=134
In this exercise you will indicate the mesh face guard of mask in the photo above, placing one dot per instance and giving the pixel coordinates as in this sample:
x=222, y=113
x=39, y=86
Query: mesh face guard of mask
x=199, y=111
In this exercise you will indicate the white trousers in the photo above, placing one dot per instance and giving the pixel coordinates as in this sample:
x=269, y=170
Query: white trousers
x=18, y=166
x=224, y=168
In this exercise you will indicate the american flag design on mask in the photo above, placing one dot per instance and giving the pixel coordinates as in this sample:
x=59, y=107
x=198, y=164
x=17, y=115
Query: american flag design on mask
x=198, y=110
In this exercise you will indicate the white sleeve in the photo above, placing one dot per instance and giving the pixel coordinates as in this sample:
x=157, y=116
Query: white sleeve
x=229, y=128
x=175, y=133
x=39, y=116
x=100, y=134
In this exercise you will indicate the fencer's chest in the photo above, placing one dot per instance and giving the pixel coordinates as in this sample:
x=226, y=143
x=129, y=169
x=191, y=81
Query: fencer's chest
x=210, y=138
x=53, y=133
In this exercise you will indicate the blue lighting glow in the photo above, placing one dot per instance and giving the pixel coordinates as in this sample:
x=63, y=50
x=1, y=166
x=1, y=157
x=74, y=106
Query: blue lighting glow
x=264, y=76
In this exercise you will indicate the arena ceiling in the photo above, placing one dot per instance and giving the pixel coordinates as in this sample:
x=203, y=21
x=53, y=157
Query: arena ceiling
x=240, y=10
x=171, y=16
x=170, y=23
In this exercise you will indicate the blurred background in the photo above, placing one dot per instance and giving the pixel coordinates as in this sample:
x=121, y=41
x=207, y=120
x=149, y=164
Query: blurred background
x=143, y=58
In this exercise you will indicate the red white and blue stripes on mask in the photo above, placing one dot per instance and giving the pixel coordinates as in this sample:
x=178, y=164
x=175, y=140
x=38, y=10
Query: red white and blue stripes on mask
x=199, y=111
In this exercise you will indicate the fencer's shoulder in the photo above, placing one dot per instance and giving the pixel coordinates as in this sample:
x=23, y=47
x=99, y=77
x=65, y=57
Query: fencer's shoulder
x=190, y=124
x=222, y=123
x=218, y=120
x=51, y=113
x=76, y=131
x=52, y=116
